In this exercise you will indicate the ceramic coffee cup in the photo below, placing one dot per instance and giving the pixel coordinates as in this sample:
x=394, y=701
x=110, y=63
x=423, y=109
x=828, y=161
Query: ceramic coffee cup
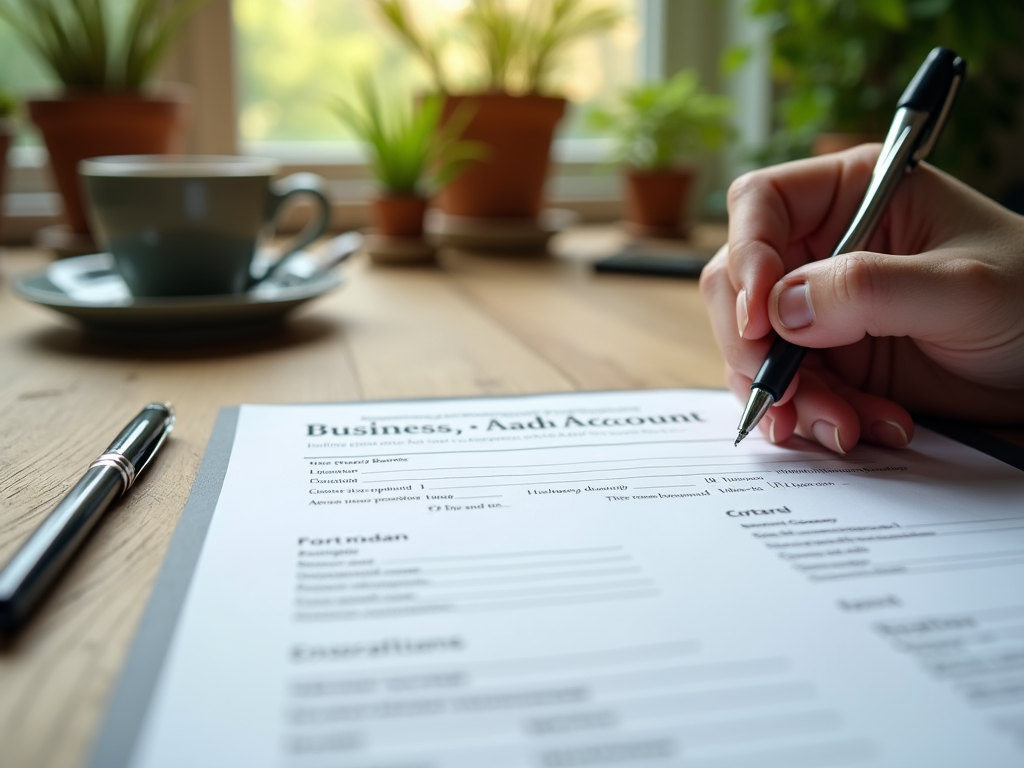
x=190, y=225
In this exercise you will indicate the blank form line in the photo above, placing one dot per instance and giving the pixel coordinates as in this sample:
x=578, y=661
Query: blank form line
x=554, y=589
x=523, y=566
x=519, y=605
x=940, y=558
x=792, y=456
x=593, y=471
x=534, y=553
x=965, y=522
x=496, y=606
x=983, y=530
x=912, y=571
x=556, y=482
x=467, y=582
x=480, y=567
x=434, y=607
x=757, y=438
x=655, y=487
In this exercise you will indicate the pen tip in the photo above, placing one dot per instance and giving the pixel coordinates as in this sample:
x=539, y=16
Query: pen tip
x=739, y=437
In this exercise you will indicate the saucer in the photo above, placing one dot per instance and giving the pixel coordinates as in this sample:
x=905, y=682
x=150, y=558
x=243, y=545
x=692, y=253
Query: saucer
x=89, y=289
x=513, y=234
x=399, y=250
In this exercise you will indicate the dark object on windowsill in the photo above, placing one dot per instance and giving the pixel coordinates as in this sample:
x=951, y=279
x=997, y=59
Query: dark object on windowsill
x=653, y=258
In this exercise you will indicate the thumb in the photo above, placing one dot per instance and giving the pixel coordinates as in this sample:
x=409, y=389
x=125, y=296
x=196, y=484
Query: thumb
x=938, y=296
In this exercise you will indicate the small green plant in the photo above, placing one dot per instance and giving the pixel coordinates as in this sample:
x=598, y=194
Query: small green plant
x=411, y=152
x=97, y=44
x=520, y=49
x=8, y=104
x=657, y=124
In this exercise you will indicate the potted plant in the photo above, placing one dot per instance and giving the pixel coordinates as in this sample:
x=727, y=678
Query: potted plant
x=8, y=106
x=515, y=111
x=103, y=56
x=657, y=128
x=412, y=155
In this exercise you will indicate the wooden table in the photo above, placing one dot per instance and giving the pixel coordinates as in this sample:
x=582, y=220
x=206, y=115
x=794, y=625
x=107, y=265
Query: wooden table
x=475, y=326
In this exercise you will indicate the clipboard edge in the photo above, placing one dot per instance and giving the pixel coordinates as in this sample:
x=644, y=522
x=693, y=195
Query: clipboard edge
x=132, y=695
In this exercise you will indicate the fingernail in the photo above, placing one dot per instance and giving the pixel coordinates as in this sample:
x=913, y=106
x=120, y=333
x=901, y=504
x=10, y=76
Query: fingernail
x=827, y=433
x=741, y=311
x=795, y=310
x=771, y=431
x=889, y=433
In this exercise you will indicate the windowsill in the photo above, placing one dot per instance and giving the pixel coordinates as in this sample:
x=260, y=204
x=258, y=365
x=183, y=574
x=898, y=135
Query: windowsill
x=582, y=180
x=351, y=156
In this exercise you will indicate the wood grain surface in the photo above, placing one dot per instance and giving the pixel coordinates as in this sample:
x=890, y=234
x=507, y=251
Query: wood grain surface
x=476, y=325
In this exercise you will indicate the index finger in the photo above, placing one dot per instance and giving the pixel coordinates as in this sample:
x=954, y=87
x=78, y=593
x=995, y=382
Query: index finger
x=785, y=216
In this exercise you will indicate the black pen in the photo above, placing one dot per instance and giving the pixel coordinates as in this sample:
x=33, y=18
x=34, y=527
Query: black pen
x=25, y=579
x=920, y=115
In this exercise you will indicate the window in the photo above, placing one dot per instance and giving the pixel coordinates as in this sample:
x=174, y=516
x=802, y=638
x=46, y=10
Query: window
x=294, y=57
x=264, y=73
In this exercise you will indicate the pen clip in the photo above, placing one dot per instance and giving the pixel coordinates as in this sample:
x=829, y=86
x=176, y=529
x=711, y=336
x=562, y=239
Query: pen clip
x=937, y=124
x=167, y=429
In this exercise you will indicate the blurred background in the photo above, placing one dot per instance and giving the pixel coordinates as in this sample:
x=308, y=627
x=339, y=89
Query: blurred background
x=263, y=74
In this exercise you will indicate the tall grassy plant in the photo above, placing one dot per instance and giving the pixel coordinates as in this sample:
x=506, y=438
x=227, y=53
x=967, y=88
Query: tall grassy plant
x=519, y=49
x=658, y=124
x=88, y=47
x=411, y=153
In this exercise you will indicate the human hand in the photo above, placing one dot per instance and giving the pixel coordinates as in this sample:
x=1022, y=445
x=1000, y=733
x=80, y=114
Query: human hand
x=930, y=318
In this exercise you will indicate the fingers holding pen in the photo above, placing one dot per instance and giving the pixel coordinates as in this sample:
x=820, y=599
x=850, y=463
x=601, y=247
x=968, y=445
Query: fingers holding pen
x=783, y=217
x=824, y=416
x=882, y=421
x=723, y=303
x=829, y=411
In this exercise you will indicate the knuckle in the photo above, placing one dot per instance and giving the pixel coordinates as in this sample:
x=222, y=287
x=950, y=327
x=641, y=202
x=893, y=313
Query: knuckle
x=981, y=282
x=857, y=280
x=714, y=277
x=745, y=184
x=982, y=293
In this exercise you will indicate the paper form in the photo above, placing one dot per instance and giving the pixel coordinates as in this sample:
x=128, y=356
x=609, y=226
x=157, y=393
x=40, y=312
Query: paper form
x=593, y=579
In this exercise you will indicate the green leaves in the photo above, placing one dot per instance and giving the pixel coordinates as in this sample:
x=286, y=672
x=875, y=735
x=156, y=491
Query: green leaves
x=8, y=103
x=841, y=65
x=410, y=152
x=401, y=21
x=85, y=49
x=657, y=124
x=519, y=49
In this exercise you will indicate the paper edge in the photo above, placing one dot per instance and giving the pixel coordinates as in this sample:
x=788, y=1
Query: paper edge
x=133, y=694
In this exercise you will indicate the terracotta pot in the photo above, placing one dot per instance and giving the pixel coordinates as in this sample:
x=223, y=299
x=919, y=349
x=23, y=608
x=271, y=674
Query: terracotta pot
x=77, y=125
x=509, y=182
x=657, y=201
x=827, y=143
x=398, y=215
x=6, y=138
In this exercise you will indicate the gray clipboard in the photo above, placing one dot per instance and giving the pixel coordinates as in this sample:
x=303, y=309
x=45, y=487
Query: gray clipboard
x=133, y=694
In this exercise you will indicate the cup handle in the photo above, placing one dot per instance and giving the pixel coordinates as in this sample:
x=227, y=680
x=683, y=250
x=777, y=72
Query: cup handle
x=283, y=190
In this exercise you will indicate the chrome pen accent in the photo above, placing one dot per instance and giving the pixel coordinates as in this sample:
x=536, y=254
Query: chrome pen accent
x=121, y=464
